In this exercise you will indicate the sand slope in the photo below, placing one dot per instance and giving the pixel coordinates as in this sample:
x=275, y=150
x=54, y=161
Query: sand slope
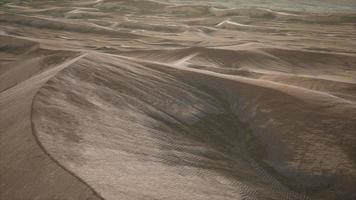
x=168, y=100
x=28, y=172
x=141, y=123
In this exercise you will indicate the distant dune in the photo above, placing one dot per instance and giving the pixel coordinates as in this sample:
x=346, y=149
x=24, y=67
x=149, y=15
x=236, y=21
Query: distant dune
x=168, y=100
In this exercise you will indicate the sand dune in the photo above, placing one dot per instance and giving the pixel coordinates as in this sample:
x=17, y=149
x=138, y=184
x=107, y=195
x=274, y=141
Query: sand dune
x=27, y=171
x=177, y=100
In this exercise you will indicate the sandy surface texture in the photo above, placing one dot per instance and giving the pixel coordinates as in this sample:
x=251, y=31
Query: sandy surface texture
x=177, y=99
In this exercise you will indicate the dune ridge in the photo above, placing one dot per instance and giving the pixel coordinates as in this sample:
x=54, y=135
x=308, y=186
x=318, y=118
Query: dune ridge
x=313, y=101
x=26, y=160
